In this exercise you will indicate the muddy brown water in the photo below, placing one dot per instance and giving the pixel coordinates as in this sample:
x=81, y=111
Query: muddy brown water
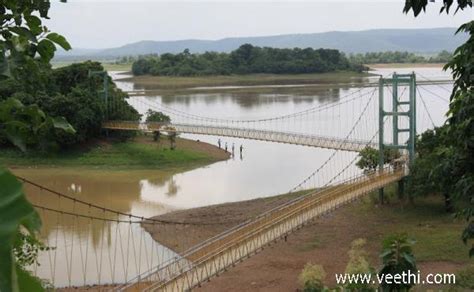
x=263, y=169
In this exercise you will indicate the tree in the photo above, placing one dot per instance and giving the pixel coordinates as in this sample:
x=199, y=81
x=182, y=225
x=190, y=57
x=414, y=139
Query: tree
x=28, y=126
x=24, y=38
x=246, y=59
x=458, y=166
x=26, y=46
x=369, y=158
x=398, y=259
x=157, y=117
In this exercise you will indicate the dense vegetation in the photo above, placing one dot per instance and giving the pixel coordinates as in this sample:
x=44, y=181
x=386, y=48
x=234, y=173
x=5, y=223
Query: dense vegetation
x=246, y=59
x=445, y=162
x=398, y=57
x=71, y=93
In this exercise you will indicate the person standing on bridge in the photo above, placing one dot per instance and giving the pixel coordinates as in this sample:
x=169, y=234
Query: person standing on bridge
x=241, y=149
x=219, y=143
x=233, y=148
x=225, y=147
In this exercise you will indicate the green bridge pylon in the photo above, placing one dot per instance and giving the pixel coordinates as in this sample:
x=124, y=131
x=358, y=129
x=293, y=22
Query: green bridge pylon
x=398, y=109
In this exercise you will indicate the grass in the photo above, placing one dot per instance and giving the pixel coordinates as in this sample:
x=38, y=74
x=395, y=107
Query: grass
x=437, y=233
x=118, y=155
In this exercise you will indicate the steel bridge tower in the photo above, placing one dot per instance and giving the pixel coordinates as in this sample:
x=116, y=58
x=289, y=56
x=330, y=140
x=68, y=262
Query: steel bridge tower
x=399, y=109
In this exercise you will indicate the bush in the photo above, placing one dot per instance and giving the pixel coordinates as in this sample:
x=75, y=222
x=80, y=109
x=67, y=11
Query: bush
x=312, y=277
x=358, y=265
x=465, y=277
x=398, y=258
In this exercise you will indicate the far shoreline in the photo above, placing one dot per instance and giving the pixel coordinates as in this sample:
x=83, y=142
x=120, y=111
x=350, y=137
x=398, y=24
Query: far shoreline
x=405, y=65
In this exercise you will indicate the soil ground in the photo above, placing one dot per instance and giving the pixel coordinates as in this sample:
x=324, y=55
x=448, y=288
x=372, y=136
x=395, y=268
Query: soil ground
x=326, y=241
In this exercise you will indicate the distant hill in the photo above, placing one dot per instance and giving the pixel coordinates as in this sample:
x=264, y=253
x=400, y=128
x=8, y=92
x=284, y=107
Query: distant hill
x=413, y=40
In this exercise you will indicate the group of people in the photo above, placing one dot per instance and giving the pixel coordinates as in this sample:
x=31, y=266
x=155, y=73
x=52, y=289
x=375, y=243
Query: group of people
x=219, y=143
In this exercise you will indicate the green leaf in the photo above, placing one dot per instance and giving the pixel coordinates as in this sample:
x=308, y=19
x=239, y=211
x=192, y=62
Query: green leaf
x=4, y=65
x=46, y=49
x=59, y=40
x=61, y=123
x=17, y=133
x=24, y=32
x=27, y=282
x=15, y=211
x=34, y=23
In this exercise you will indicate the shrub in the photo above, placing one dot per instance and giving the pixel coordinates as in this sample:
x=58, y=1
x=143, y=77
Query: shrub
x=311, y=278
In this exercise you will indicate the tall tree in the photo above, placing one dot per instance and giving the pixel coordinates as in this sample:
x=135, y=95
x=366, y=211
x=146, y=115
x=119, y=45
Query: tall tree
x=458, y=165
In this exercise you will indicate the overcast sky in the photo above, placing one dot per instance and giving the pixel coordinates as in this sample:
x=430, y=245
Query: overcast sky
x=107, y=23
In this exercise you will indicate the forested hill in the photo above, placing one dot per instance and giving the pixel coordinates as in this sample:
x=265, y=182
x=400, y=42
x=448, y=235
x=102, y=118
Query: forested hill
x=247, y=59
x=378, y=40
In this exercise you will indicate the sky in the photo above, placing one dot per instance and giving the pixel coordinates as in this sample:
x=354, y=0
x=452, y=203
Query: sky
x=107, y=23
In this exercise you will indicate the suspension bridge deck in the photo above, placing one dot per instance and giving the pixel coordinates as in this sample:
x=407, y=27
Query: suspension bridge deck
x=252, y=134
x=215, y=255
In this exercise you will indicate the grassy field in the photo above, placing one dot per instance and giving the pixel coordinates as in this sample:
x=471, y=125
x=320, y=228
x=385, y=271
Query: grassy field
x=437, y=233
x=167, y=82
x=120, y=155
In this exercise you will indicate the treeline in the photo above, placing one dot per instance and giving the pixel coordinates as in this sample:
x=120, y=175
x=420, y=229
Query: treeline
x=246, y=59
x=398, y=57
x=69, y=92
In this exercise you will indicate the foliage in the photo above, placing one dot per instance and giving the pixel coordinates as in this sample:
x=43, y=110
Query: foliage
x=369, y=158
x=358, y=265
x=397, y=57
x=246, y=59
x=456, y=148
x=397, y=257
x=76, y=96
x=27, y=248
x=158, y=117
x=26, y=42
x=16, y=215
x=28, y=126
x=312, y=277
x=465, y=277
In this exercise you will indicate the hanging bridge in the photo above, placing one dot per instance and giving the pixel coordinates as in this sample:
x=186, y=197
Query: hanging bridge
x=95, y=247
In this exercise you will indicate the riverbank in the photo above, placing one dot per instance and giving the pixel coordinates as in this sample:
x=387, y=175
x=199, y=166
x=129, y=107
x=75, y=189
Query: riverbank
x=148, y=82
x=438, y=248
x=208, y=221
x=406, y=65
x=140, y=153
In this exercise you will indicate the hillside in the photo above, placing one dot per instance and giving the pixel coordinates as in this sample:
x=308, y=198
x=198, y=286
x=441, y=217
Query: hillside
x=412, y=40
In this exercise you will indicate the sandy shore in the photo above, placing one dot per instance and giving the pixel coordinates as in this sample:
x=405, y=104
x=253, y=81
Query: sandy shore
x=209, y=221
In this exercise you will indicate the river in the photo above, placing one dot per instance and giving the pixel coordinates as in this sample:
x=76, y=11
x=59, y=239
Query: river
x=264, y=169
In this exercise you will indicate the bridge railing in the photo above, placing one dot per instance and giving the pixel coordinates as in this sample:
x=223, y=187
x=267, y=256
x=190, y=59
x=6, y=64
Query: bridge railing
x=213, y=246
x=288, y=137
